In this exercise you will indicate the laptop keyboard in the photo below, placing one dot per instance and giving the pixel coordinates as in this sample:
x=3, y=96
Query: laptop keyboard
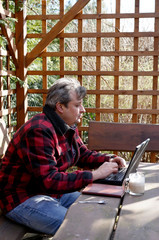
x=117, y=176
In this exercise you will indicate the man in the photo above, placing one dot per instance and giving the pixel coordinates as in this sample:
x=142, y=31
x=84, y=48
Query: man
x=35, y=188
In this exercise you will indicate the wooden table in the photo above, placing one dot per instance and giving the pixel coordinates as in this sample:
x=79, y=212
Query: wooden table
x=137, y=217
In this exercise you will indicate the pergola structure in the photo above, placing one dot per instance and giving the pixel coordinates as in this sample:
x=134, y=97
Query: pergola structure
x=113, y=56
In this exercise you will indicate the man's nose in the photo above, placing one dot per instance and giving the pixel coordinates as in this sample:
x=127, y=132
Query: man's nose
x=82, y=109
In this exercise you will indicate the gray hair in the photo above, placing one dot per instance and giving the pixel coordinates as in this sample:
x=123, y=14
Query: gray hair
x=60, y=91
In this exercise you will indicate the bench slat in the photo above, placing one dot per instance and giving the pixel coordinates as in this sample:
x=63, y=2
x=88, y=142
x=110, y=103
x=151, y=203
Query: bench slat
x=122, y=137
x=10, y=230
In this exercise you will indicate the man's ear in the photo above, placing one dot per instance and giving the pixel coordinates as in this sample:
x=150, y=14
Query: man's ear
x=59, y=107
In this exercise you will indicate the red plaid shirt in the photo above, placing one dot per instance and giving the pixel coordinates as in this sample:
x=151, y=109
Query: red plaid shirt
x=38, y=157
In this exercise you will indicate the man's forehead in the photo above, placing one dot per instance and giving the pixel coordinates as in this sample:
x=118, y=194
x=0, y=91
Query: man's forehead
x=74, y=97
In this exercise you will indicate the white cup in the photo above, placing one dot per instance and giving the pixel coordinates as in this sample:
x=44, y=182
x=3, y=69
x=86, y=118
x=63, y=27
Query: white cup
x=135, y=184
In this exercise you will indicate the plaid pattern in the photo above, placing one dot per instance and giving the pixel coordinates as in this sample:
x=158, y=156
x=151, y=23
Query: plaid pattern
x=38, y=157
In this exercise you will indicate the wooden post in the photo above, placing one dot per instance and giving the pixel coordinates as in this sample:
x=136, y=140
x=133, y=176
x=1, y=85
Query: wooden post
x=21, y=71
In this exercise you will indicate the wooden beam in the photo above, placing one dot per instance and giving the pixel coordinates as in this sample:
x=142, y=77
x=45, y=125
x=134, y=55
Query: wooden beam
x=77, y=7
x=95, y=73
x=106, y=92
x=96, y=34
x=108, y=110
x=21, y=70
x=11, y=46
x=8, y=34
x=96, y=16
x=100, y=53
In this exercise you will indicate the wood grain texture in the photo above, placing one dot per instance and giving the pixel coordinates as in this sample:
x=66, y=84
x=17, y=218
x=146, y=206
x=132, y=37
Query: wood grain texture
x=89, y=221
x=139, y=217
x=121, y=136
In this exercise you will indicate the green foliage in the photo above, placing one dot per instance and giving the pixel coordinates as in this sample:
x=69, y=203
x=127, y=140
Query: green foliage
x=35, y=100
x=15, y=80
x=53, y=6
x=34, y=26
x=51, y=80
x=31, y=114
x=50, y=24
x=54, y=46
x=3, y=42
x=33, y=7
x=69, y=4
x=53, y=64
x=34, y=82
x=91, y=7
x=7, y=21
x=31, y=43
x=12, y=7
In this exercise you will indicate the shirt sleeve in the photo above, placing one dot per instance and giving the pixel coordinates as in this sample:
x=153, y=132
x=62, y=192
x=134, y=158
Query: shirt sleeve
x=88, y=158
x=38, y=150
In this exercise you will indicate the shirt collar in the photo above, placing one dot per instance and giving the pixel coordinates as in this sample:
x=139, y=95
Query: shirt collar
x=58, y=123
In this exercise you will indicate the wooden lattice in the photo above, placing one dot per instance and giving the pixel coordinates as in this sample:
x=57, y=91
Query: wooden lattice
x=100, y=67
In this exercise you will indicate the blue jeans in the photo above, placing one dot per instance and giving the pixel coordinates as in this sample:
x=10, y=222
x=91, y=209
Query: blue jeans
x=43, y=213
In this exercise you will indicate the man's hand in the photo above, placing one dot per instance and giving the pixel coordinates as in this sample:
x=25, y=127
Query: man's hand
x=120, y=161
x=105, y=170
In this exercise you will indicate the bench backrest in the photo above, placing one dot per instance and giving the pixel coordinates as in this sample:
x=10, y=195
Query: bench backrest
x=4, y=138
x=122, y=137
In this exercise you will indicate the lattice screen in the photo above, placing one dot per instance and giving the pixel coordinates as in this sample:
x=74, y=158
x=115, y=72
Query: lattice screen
x=110, y=46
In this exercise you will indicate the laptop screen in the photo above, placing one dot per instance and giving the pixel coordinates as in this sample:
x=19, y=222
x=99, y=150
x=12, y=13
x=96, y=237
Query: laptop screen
x=118, y=178
x=139, y=151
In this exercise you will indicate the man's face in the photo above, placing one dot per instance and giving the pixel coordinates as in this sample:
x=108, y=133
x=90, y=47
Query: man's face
x=74, y=110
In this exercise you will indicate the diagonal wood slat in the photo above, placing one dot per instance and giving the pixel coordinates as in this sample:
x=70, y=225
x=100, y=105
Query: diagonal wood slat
x=77, y=7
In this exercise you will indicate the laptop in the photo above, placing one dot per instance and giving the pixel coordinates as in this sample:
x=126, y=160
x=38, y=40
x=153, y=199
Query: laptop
x=118, y=178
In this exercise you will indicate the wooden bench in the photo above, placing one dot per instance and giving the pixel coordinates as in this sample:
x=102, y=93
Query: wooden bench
x=8, y=229
x=98, y=222
x=104, y=136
